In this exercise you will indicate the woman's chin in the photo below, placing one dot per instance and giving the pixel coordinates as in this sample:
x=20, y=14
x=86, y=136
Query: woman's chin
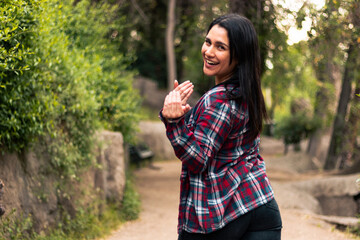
x=207, y=72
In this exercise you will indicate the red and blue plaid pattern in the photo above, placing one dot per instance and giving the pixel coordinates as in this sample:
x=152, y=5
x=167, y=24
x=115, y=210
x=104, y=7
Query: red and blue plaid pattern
x=223, y=176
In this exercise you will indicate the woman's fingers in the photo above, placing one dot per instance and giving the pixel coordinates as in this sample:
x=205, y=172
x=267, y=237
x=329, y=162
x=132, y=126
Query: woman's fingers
x=173, y=105
x=185, y=89
x=186, y=108
x=187, y=96
x=176, y=84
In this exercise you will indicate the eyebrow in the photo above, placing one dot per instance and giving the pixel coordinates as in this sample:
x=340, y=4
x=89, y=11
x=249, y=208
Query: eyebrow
x=218, y=42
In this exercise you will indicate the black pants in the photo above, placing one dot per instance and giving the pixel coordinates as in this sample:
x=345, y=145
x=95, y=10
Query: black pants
x=263, y=223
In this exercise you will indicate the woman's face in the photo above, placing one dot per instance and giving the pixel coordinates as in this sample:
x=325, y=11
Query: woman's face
x=216, y=55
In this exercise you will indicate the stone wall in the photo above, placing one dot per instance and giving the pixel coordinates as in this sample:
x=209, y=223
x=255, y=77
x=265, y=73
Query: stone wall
x=29, y=189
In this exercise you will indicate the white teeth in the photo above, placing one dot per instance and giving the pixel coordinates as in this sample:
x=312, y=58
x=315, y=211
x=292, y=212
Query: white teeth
x=210, y=62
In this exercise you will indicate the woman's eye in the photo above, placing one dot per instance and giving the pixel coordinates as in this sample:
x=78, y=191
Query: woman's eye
x=221, y=47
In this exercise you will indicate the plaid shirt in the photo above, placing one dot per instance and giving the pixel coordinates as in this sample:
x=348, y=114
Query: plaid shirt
x=223, y=176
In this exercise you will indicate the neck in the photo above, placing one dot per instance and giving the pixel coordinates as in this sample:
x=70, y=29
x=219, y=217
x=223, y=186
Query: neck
x=223, y=78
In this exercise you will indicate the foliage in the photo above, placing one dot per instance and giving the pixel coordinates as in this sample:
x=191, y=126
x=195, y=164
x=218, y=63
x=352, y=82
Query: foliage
x=62, y=78
x=190, y=34
x=290, y=76
x=334, y=38
x=146, y=25
x=131, y=202
x=331, y=32
x=16, y=228
x=16, y=25
x=21, y=112
x=110, y=83
x=295, y=128
x=68, y=75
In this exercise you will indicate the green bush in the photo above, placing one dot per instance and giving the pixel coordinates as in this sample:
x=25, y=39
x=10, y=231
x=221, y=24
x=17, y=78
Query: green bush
x=21, y=111
x=294, y=128
x=62, y=79
x=16, y=227
x=112, y=85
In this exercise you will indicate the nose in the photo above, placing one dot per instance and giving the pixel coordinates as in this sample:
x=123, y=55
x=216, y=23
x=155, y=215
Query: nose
x=209, y=51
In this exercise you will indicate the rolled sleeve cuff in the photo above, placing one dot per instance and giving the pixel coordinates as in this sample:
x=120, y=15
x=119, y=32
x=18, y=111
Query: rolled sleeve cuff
x=170, y=120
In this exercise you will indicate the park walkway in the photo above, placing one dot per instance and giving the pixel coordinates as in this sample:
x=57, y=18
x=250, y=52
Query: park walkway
x=159, y=190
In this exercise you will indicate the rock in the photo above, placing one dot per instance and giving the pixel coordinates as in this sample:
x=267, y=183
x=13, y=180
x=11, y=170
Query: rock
x=33, y=191
x=289, y=197
x=334, y=193
x=28, y=189
x=114, y=165
x=154, y=135
x=152, y=96
x=330, y=186
x=324, y=195
x=148, y=89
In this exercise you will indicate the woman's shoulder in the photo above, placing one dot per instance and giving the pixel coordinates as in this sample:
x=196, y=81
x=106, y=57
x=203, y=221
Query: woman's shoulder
x=214, y=97
x=217, y=92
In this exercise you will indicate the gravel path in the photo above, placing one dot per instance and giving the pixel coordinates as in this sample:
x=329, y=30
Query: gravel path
x=159, y=191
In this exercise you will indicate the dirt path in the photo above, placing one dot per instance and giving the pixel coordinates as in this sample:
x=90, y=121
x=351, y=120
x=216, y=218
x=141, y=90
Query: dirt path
x=159, y=190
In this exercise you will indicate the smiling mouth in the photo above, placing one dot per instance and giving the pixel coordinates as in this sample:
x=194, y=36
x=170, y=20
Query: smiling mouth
x=211, y=62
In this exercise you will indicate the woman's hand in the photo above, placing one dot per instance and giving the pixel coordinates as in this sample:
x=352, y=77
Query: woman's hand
x=185, y=89
x=175, y=104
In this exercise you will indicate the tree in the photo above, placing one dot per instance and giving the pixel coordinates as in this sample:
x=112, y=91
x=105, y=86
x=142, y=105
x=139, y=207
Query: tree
x=342, y=145
x=170, y=52
x=273, y=47
x=336, y=142
x=324, y=39
x=146, y=28
x=263, y=15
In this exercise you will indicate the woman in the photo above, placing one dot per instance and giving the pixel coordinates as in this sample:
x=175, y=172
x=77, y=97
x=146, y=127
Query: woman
x=225, y=193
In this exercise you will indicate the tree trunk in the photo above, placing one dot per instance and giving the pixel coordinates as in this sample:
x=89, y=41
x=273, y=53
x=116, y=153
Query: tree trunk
x=343, y=141
x=324, y=49
x=349, y=155
x=323, y=96
x=351, y=132
x=337, y=137
x=170, y=51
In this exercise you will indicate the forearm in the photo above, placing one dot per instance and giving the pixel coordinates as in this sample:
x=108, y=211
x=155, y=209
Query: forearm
x=192, y=152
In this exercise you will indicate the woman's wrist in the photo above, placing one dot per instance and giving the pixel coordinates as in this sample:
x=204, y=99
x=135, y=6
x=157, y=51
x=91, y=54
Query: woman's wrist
x=174, y=120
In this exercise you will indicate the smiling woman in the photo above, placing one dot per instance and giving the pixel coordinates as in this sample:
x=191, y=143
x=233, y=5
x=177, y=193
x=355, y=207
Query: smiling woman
x=216, y=55
x=225, y=192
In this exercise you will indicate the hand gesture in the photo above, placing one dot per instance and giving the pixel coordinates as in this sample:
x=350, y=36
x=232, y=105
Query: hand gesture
x=185, y=89
x=175, y=104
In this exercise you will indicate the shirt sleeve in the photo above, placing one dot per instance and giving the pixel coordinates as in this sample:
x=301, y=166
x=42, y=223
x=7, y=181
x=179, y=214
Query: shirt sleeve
x=195, y=147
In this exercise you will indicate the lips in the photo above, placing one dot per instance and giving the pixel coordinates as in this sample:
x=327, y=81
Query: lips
x=211, y=62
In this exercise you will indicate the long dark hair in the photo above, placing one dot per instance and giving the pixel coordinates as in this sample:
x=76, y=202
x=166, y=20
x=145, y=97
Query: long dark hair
x=244, y=48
